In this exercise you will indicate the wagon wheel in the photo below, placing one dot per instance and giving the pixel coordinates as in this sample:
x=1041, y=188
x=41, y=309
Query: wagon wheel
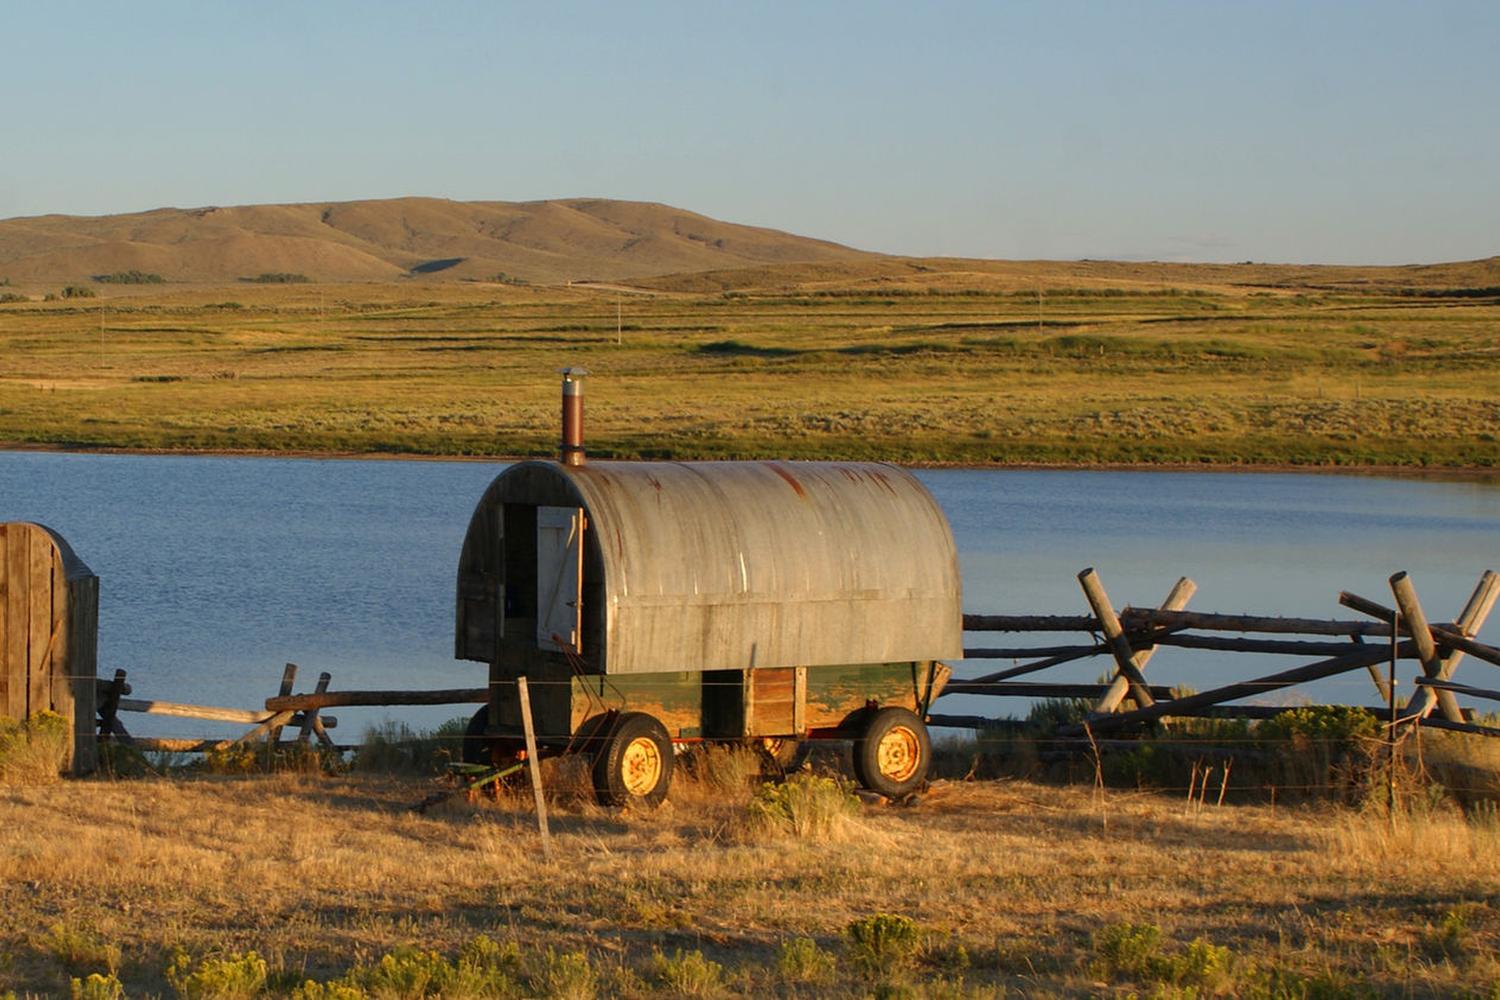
x=785, y=754
x=892, y=752
x=634, y=765
x=479, y=748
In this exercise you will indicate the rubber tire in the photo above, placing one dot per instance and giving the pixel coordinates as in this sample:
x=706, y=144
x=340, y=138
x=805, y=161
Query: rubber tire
x=477, y=749
x=788, y=757
x=866, y=752
x=609, y=782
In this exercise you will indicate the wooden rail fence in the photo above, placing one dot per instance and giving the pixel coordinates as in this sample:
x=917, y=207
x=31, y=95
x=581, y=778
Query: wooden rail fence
x=1130, y=636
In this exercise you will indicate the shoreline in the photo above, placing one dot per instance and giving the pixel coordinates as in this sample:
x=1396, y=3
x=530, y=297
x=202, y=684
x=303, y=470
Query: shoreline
x=1457, y=473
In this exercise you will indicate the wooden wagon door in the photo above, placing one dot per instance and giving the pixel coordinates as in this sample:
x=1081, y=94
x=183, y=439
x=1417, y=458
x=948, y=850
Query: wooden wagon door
x=559, y=577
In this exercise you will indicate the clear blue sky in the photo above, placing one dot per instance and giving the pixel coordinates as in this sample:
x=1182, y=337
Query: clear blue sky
x=1328, y=131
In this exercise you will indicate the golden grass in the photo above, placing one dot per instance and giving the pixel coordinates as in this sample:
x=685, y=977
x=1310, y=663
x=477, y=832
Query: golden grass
x=1131, y=370
x=1009, y=882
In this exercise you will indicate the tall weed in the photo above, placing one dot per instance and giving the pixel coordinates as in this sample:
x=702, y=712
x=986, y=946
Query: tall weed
x=32, y=752
x=805, y=805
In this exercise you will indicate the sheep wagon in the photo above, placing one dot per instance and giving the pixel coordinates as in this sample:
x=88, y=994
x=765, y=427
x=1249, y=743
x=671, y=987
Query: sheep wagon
x=653, y=605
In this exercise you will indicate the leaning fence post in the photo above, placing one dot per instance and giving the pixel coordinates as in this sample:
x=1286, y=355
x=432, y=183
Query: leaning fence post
x=1470, y=620
x=1432, y=665
x=1182, y=592
x=310, y=715
x=110, y=704
x=288, y=678
x=534, y=766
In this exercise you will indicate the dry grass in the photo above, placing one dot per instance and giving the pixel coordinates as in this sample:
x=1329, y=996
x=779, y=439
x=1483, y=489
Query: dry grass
x=33, y=752
x=941, y=362
x=1010, y=884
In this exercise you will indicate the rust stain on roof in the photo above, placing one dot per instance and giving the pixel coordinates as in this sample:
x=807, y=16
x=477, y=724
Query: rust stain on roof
x=790, y=479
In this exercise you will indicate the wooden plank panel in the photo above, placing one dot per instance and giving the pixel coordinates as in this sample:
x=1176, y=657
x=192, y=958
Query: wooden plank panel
x=65, y=684
x=774, y=701
x=82, y=658
x=17, y=565
x=5, y=669
x=40, y=618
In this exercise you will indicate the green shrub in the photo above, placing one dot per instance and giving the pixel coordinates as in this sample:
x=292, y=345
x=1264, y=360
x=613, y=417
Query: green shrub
x=1127, y=950
x=1050, y=713
x=882, y=945
x=78, y=292
x=33, y=752
x=395, y=747
x=569, y=976
x=1202, y=965
x=1321, y=746
x=80, y=950
x=1283, y=984
x=1338, y=725
x=233, y=977
x=800, y=960
x=687, y=974
x=1451, y=937
x=730, y=771
x=7, y=297
x=488, y=969
x=338, y=990
x=406, y=974
x=1134, y=951
x=95, y=987
x=804, y=805
x=278, y=278
x=131, y=277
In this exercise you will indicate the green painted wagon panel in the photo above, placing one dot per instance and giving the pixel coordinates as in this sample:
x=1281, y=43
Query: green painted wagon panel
x=834, y=693
x=676, y=699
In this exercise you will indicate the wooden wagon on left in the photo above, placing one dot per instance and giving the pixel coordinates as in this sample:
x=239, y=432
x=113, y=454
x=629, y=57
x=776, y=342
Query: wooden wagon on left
x=49, y=615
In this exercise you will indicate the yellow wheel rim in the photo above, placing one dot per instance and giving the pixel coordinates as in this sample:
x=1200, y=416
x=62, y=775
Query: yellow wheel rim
x=898, y=754
x=640, y=766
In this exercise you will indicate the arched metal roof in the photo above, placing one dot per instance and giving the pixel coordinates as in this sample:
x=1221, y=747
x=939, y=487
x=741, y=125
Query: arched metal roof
x=732, y=565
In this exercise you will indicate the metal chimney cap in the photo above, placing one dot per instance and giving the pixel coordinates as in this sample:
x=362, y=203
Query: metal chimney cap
x=573, y=372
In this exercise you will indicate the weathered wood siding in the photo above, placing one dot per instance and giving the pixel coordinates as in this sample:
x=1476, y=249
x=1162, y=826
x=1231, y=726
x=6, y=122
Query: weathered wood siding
x=49, y=625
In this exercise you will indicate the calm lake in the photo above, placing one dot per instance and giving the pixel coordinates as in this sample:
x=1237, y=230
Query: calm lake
x=216, y=571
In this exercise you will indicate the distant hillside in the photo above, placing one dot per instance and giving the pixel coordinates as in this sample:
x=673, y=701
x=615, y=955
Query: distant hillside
x=913, y=275
x=423, y=238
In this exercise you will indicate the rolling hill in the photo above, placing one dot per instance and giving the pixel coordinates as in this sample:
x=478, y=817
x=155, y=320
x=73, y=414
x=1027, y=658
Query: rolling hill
x=422, y=238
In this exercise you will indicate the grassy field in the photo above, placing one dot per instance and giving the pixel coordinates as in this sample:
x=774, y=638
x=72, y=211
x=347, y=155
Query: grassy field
x=909, y=361
x=989, y=888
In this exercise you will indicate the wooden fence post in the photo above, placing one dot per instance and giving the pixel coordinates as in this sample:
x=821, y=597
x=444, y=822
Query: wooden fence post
x=288, y=678
x=1127, y=660
x=1432, y=664
x=110, y=704
x=534, y=766
x=1469, y=622
x=310, y=716
x=1182, y=592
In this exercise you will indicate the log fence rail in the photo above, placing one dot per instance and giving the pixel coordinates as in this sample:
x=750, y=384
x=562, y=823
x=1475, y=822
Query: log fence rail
x=1130, y=636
